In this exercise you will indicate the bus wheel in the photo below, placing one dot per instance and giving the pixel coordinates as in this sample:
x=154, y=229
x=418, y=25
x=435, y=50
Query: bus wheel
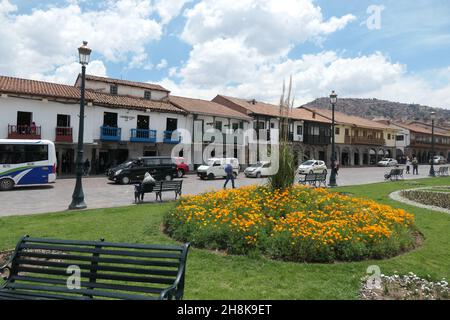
x=6, y=184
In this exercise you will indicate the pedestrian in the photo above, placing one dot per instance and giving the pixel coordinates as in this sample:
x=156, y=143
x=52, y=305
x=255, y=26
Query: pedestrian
x=86, y=167
x=415, y=164
x=336, y=167
x=408, y=165
x=33, y=128
x=230, y=176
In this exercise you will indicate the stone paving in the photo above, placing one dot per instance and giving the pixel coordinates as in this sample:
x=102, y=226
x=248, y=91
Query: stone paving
x=101, y=193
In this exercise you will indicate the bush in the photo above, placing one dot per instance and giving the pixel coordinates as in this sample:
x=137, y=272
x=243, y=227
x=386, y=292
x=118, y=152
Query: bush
x=296, y=224
x=431, y=198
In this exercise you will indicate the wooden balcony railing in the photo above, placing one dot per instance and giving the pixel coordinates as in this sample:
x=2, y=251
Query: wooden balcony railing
x=63, y=134
x=24, y=132
x=365, y=140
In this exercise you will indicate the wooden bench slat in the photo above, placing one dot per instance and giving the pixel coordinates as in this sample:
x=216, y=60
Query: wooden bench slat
x=101, y=251
x=65, y=265
x=88, y=292
x=111, y=286
x=103, y=244
x=150, y=263
x=97, y=275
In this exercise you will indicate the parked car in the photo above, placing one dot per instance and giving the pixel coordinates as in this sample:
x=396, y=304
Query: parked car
x=161, y=168
x=259, y=169
x=387, y=162
x=312, y=166
x=215, y=167
x=439, y=160
x=182, y=167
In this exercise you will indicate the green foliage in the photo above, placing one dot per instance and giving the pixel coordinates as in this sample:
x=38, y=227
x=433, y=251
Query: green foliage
x=429, y=197
x=285, y=176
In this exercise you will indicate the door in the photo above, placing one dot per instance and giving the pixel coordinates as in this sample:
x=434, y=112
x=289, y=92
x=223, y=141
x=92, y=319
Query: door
x=24, y=118
x=63, y=121
x=110, y=119
x=143, y=122
x=217, y=168
x=171, y=124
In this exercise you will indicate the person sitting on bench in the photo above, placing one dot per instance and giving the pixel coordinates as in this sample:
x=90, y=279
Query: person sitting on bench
x=146, y=185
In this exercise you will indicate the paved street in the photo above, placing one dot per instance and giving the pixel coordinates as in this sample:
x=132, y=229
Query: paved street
x=100, y=193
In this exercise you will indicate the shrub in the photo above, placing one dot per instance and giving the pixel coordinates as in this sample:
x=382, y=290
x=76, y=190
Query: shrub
x=295, y=224
x=429, y=197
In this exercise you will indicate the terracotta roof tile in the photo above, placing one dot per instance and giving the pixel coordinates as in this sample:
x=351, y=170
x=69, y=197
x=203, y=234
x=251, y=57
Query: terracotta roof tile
x=419, y=129
x=142, y=85
x=343, y=118
x=205, y=107
x=10, y=85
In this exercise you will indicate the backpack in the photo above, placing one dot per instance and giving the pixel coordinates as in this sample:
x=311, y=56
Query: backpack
x=415, y=162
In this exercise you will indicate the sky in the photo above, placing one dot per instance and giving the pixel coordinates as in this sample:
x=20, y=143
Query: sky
x=396, y=50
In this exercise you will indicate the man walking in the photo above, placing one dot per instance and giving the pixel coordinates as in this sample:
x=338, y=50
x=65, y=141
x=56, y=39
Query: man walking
x=230, y=176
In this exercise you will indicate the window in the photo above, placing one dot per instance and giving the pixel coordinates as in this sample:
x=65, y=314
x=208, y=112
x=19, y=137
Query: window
x=63, y=121
x=337, y=131
x=235, y=126
x=166, y=161
x=147, y=95
x=347, y=132
x=272, y=125
x=21, y=153
x=389, y=136
x=241, y=125
x=143, y=122
x=113, y=89
x=299, y=130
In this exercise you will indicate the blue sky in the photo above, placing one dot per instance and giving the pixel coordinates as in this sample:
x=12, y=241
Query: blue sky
x=201, y=48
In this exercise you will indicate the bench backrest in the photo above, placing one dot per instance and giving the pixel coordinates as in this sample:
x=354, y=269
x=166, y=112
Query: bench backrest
x=107, y=270
x=173, y=185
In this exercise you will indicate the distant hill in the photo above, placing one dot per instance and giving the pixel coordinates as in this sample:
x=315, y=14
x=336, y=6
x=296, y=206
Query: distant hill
x=374, y=108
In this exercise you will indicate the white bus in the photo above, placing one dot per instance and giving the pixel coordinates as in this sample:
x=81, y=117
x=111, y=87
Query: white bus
x=26, y=162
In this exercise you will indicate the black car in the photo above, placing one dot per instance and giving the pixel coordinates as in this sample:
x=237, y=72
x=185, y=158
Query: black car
x=161, y=168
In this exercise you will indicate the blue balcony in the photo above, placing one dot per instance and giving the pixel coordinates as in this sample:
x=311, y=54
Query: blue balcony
x=143, y=135
x=168, y=138
x=110, y=133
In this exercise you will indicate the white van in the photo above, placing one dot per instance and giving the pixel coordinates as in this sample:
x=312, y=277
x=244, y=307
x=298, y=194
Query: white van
x=215, y=167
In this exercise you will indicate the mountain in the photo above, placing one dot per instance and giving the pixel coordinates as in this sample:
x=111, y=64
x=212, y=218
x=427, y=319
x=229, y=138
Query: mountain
x=374, y=108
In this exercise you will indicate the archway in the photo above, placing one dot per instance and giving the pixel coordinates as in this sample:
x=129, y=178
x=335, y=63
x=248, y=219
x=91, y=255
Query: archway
x=380, y=155
x=345, y=157
x=372, y=157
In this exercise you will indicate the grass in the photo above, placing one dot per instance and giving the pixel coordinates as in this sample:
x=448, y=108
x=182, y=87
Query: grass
x=216, y=276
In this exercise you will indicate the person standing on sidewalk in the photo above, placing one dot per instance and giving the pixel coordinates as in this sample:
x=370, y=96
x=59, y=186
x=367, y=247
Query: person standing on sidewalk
x=408, y=165
x=415, y=164
x=230, y=176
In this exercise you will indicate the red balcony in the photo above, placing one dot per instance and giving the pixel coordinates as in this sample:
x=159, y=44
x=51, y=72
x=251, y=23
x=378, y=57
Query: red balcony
x=24, y=132
x=63, y=134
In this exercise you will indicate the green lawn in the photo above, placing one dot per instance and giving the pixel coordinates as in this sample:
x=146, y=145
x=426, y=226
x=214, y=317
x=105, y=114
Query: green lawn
x=215, y=276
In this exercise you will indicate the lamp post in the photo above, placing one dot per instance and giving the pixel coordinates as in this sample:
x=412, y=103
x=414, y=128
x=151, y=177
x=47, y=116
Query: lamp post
x=78, y=194
x=433, y=117
x=333, y=101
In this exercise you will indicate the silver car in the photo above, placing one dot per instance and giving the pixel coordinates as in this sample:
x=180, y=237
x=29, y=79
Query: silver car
x=312, y=166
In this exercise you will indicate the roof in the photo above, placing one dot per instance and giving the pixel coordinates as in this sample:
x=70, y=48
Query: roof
x=343, y=118
x=205, y=107
x=418, y=129
x=12, y=85
x=40, y=88
x=255, y=107
x=267, y=109
x=142, y=85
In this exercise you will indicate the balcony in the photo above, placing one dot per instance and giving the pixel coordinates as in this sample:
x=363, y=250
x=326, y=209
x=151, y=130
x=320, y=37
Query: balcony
x=365, y=140
x=24, y=132
x=169, y=139
x=63, y=134
x=143, y=135
x=316, y=139
x=110, y=133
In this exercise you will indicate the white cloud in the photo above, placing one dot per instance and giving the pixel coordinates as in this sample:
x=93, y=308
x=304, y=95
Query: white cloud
x=162, y=64
x=67, y=74
x=46, y=39
x=269, y=26
x=169, y=9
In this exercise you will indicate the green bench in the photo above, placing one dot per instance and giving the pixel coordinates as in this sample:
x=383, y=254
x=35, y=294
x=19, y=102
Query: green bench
x=314, y=179
x=48, y=269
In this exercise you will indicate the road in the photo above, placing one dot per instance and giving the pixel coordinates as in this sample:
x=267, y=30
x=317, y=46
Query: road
x=101, y=193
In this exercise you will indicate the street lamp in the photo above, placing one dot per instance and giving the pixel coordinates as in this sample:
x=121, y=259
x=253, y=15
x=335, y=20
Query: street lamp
x=433, y=117
x=333, y=101
x=78, y=194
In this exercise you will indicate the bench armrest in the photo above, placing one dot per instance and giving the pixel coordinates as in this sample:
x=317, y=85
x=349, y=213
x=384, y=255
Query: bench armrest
x=2, y=273
x=171, y=291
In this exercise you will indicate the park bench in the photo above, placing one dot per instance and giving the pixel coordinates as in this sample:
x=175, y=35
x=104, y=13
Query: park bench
x=44, y=269
x=394, y=174
x=314, y=179
x=442, y=172
x=158, y=188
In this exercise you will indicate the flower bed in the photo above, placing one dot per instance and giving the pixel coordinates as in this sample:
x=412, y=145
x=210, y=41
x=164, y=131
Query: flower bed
x=432, y=197
x=297, y=224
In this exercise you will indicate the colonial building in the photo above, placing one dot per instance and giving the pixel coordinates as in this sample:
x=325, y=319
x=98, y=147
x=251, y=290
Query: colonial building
x=360, y=141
